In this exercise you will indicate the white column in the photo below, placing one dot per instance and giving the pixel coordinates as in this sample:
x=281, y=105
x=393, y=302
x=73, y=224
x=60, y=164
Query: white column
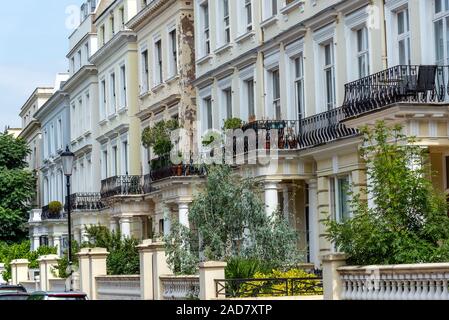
x=286, y=201
x=271, y=197
x=57, y=243
x=184, y=214
x=313, y=222
x=113, y=225
x=125, y=227
x=36, y=243
x=167, y=222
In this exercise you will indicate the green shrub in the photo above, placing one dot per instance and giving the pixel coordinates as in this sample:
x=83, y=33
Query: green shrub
x=22, y=251
x=158, y=136
x=244, y=268
x=232, y=124
x=55, y=207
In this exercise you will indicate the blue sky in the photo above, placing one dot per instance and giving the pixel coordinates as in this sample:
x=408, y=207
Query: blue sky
x=33, y=46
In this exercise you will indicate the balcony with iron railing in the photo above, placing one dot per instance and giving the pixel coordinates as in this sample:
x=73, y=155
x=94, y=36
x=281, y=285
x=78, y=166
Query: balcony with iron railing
x=85, y=202
x=163, y=168
x=49, y=215
x=121, y=186
x=403, y=83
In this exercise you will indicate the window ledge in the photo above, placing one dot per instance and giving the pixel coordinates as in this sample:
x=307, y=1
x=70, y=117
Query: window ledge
x=223, y=48
x=204, y=59
x=158, y=87
x=292, y=6
x=143, y=95
x=112, y=116
x=268, y=22
x=80, y=138
x=87, y=133
x=172, y=79
x=102, y=122
x=122, y=110
x=245, y=36
x=73, y=142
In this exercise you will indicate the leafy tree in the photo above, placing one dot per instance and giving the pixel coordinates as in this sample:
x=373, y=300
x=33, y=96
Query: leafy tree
x=158, y=136
x=123, y=258
x=229, y=220
x=9, y=252
x=408, y=222
x=17, y=188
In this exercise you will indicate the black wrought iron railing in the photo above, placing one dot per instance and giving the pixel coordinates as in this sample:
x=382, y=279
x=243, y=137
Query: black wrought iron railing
x=85, y=201
x=402, y=83
x=285, y=132
x=323, y=128
x=121, y=186
x=49, y=215
x=252, y=288
x=162, y=168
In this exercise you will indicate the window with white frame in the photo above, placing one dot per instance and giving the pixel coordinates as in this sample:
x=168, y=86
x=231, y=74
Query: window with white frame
x=125, y=155
x=87, y=52
x=339, y=197
x=112, y=91
x=276, y=93
x=227, y=102
x=249, y=90
x=207, y=111
x=80, y=62
x=60, y=134
x=122, y=18
x=441, y=26
x=270, y=8
x=245, y=16
x=204, y=9
x=103, y=99
x=144, y=71
x=80, y=117
x=112, y=25
x=223, y=26
x=52, y=136
x=403, y=36
x=157, y=62
x=88, y=125
x=298, y=62
x=123, y=88
x=362, y=52
x=114, y=161
x=102, y=35
x=329, y=74
x=173, y=53
x=104, y=164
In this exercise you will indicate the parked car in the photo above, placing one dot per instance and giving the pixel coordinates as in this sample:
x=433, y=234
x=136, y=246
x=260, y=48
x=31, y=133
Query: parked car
x=13, y=295
x=13, y=292
x=8, y=287
x=49, y=295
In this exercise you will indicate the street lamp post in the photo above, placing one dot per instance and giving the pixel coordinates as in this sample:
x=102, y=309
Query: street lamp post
x=67, y=164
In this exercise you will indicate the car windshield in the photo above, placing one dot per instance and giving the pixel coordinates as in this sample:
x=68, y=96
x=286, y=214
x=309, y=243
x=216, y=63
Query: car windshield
x=66, y=298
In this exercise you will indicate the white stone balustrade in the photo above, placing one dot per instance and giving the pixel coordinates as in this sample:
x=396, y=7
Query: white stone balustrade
x=118, y=287
x=180, y=287
x=395, y=282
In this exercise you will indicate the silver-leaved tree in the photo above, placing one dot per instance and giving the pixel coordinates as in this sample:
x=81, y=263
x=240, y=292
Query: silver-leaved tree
x=228, y=220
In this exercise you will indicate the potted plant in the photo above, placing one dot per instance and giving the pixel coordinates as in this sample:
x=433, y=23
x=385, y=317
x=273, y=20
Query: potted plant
x=54, y=208
x=233, y=124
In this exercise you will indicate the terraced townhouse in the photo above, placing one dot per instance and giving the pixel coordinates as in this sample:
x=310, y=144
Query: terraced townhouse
x=310, y=71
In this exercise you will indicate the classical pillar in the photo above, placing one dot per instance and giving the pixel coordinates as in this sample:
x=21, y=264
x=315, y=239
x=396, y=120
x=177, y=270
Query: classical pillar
x=184, y=214
x=125, y=227
x=313, y=223
x=167, y=223
x=113, y=225
x=92, y=263
x=57, y=244
x=271, y=197
x=286, y=199
x=36, y=243
x=19, y=271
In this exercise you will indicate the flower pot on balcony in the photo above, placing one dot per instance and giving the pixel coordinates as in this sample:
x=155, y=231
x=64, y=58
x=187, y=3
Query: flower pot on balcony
x=281, y=142
x=179, y=170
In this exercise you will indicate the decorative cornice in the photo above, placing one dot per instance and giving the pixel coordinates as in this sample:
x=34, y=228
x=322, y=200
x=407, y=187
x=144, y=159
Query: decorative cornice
x=79, y=76
x=150, y=11
x=56, y=98
x=121, y=38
